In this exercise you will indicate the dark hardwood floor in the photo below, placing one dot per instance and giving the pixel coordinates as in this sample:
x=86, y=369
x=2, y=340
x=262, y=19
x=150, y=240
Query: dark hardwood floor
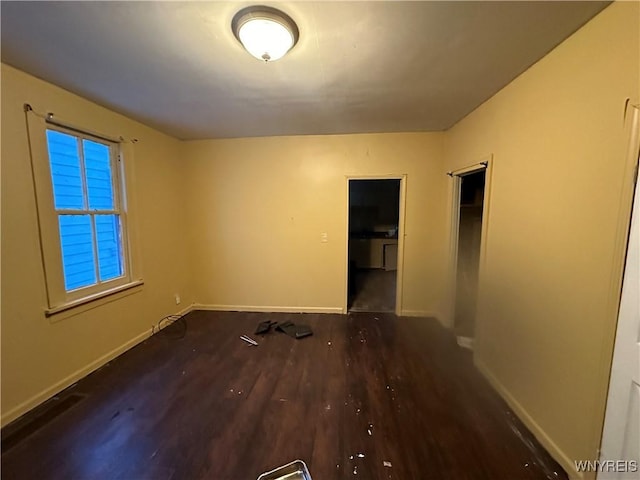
x=363, y=390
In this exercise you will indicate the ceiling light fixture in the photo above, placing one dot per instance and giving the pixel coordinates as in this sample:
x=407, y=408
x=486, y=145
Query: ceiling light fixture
x=266, y=33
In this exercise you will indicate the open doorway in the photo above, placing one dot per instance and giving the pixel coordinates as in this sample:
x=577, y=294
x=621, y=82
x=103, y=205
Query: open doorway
x=470, y=193
x=374, y=223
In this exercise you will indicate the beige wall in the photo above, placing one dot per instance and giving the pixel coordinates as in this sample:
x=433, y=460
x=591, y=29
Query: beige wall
x=560, y=200
x=42, y=355
x=258, y=207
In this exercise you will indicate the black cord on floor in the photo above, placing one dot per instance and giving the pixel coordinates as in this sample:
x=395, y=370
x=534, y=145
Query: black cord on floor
x=168, y=321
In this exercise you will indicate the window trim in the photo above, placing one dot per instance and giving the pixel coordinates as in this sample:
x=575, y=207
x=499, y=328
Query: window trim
x=58, y=299
x=91, y=298
x=115, y=160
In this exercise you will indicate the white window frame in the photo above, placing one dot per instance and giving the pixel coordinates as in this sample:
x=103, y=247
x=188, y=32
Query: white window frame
x=58, y=298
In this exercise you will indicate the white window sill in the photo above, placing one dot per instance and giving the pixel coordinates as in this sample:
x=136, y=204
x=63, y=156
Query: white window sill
x=91, y=298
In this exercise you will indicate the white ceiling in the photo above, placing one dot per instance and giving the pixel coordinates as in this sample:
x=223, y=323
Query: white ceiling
x=358, y=66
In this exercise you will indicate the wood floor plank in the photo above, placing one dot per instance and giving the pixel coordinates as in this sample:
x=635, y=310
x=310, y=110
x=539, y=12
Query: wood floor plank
x=369, y=395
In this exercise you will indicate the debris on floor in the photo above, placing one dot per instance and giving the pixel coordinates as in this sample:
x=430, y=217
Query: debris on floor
x=386, y=464
x=521, y=432
x=465, y=342
x=296, y=331
x=250, y=341
x=264, y=327
x=295, y=470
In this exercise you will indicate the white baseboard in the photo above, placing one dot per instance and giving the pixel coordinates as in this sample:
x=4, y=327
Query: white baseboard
x=530, y=423
x=418, y=313
x=265, y=308
x=71, y=379
x=286, y=309
x=57, y=387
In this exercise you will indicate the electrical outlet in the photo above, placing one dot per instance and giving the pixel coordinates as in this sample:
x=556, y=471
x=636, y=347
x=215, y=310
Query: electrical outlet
x=324, y=238
x=177, y=299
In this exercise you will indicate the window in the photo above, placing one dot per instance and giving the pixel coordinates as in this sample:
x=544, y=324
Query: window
x=87, y=206
x=82, y=213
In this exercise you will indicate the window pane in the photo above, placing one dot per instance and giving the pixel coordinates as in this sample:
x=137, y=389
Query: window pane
x=97, y=164
x=109, y=246
x=76, y=238
x=65, y=170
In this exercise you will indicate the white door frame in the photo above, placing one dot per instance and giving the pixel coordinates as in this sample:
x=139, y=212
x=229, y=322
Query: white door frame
x=401, y=234
x=624, y=366
x=454, y=207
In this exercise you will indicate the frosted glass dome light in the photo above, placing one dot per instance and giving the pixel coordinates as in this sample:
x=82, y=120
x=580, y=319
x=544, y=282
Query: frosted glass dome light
x=266, y=33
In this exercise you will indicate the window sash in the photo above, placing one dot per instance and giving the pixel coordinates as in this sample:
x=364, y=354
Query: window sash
x=97, y=283
x=96, y=252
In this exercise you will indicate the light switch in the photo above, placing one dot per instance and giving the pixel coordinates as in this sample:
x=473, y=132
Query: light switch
x=324, y=238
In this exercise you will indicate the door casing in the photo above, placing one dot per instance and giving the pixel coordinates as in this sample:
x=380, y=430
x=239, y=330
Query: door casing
x=454, y=207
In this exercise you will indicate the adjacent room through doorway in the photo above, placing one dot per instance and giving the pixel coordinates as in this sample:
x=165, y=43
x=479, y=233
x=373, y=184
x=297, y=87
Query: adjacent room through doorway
x=470, y=212
x=374, y=207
